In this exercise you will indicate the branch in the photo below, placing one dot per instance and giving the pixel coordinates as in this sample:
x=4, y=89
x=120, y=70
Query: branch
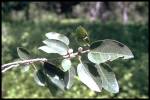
x=72, y=55
x=5, y=67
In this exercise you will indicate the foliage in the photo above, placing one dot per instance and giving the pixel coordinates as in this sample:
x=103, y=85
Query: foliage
x=98, y=52
x=104, y=11
x=128, y=82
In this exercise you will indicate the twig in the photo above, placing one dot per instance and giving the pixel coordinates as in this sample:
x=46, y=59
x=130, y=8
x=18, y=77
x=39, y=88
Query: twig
x=5, y=67
x=9, y=67
x=72, y=55
x=14, y=64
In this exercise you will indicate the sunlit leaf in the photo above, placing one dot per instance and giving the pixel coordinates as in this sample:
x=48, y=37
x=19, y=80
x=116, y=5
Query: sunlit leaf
x=58, y=36
x=87, y=78
x=47, y=49
x=81, y=36
x=104, y=50
x=80, y=30
x=66, y=64
x=54, y=46
x=23, y=53
x=69, y=77
x=39, y=77
x=108, y=78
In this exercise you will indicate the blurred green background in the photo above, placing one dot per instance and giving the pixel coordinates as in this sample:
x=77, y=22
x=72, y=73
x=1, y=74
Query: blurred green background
x=24, y=24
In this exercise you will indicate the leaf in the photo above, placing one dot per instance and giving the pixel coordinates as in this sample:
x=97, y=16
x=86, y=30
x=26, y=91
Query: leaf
x=52, y=76
x=108, y=50
x=66, y=64
x=39, y=77
x=58, y=36
x=69, y=77
x=80, y=30
x=81, y=36
x=88, y=78
x=52, y=70
x=46, y=49
x=55, y=75
x=109, y=81
x=57, y=81
x=23, y=53
x=96, y=76
x=53, y=88
x=54, y=46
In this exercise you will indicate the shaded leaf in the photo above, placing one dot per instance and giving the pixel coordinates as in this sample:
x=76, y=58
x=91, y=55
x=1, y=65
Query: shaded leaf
x=54, y=46
x=87, y=78
x=108, y=78
x=53, y=88
x=53, y=70
x=58, y=36
x=94, y=72
x=104, y=50
x=66, y=64
x=23, y=53
x=55, y=75
x=39, y=77
x=57, y=81
x=69, y=77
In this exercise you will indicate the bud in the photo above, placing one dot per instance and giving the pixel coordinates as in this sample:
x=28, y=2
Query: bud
x=70, y=51
x=80, y=49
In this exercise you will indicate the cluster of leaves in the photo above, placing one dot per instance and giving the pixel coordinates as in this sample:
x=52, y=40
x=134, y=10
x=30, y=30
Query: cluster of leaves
x=95, y=73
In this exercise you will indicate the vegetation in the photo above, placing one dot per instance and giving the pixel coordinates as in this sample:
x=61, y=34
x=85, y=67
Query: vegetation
x=132, y=75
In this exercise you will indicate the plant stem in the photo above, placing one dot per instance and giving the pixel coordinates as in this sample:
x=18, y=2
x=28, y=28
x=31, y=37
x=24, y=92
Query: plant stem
x=34, y=67
x=5, y=67
x=72, y=55
x=14, y=64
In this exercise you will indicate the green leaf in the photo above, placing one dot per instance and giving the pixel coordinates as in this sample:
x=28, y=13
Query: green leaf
x=69, y=77
x=52, y=70
x=108, y=50
x=23, y=53
x=53, y=88
x=54, y=46
x=66, y=64
x=58, y=36
x=81, y=36
x=96, y=76
x=109, y=81
x=57, y=81
x=55, y=75
x=88, y=78
x=39, y=77
x=81, y=31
